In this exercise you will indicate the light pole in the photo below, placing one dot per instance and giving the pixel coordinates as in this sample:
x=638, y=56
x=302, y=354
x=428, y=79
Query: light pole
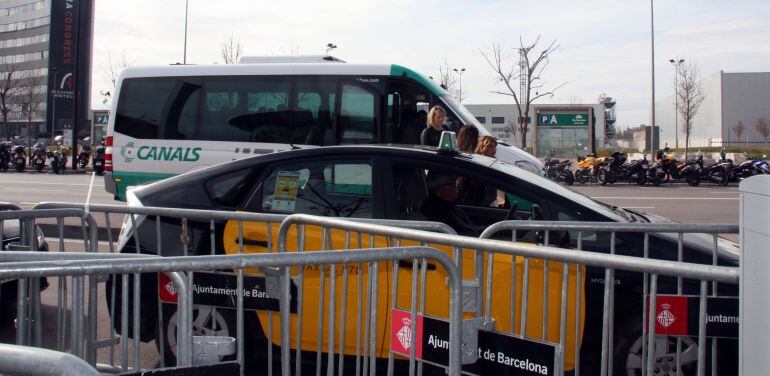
x=53, y=100
x=652, y=79
x=330, y=47
x=184, y=56
x=460, y=73
x=676, y=63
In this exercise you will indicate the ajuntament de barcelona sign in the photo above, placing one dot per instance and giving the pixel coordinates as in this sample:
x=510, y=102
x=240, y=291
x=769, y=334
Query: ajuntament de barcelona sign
x=563, y=120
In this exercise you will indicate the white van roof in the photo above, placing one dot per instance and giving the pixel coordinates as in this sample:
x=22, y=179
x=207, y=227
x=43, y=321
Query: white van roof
x=289, y=59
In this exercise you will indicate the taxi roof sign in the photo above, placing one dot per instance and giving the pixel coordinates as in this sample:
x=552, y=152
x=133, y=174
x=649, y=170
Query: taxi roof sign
x=447, y=142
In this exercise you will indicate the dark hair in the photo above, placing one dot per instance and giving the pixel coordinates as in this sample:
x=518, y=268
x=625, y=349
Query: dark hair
x=467, y=138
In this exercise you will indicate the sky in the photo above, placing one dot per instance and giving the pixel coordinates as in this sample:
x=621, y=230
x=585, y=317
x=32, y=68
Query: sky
x=604, y=46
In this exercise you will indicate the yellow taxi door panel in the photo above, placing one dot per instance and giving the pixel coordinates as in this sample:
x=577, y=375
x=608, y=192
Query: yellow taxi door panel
x=257, y=240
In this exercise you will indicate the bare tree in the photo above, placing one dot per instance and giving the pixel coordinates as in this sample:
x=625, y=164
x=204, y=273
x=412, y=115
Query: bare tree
x=231, y=49
x=690, y=94
x=9, y=83
x=29, y=100
x=521, y=75
x=738, y=130
x=448, y=79
x=763, y=128
x=111, y=72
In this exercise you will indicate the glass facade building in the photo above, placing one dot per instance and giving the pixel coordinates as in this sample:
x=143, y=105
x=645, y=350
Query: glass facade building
x=24, y=44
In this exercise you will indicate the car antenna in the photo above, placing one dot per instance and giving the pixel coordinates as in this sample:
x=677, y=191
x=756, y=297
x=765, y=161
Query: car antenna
x=293, y=147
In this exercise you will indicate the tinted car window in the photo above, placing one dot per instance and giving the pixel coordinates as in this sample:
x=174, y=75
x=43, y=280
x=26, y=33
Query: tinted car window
x=463, y=201
x=326, y=188
x=230, y=190
x=358, y=120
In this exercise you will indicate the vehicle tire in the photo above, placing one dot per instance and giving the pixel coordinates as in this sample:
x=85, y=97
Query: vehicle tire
x=656, y=181
x=579, y=177
x=55, y=167
x=693, y=180
x=628, y=352
x=641, y=179
x=569, y=179
x=601, y=177
x=207, y=321
x=720, y=178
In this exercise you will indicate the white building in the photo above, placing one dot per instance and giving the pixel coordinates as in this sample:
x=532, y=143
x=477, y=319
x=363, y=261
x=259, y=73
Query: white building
x=729, y=98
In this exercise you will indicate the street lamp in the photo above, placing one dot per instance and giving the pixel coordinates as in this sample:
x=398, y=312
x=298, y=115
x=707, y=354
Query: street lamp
x=184, y=55
x=652, y=80
x=460, y=72
x=676, y=63
x=53, y=100
x=330, y=47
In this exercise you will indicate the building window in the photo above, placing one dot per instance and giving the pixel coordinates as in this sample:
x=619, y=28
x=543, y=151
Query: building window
x=481, y=119
x=498, y=120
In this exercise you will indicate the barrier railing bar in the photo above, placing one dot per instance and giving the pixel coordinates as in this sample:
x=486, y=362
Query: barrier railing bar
x=651, y=324
x=22, y=360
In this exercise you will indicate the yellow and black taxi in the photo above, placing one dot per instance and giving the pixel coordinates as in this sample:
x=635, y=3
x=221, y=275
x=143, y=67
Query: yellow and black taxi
x=467, y=192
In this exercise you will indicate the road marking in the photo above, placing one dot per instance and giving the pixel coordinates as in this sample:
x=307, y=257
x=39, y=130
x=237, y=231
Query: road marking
x=663, y=198
x=37, y=183
x=33, y=189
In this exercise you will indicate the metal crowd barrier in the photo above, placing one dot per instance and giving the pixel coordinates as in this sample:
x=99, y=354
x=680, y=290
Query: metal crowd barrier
x=86, y=264
x=33, y=361
x=645, y=229
x=478, y=302
x=486, y=250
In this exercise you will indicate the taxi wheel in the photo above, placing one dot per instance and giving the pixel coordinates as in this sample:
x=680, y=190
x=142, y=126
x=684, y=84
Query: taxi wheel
x=207, y=321
x=628, y=353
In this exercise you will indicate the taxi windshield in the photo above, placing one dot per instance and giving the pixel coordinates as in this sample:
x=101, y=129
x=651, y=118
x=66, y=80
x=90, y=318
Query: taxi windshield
x=613, y=212
x=466, y=116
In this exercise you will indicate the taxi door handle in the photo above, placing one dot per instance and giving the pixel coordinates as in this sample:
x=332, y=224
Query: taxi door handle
x=408, y=265
x=247, y=241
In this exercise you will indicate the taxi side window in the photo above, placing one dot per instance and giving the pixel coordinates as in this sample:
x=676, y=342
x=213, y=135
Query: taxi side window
x=230, y=189
x=325, y=188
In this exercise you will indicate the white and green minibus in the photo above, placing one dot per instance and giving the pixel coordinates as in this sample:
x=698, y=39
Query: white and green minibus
x=168, y=120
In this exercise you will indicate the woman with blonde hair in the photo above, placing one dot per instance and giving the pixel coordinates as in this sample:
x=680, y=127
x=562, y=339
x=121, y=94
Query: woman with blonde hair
x=431, y=135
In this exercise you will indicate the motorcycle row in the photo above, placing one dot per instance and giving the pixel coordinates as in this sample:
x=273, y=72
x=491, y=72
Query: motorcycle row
x=615, y=168
x=15, y=157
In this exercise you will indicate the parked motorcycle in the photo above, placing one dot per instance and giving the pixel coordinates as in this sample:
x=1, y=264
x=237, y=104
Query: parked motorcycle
x=718, y=172
x=61, y=153
x=655, y=173
x=632, y=172
x=589, y=167
x=39, y=155
x=97, y=161
x=55, y=160
x=84, y=155
x=5, y=156
x=19, y=158
x=689, y=171
x=560, y=171
x=762, y=166
x=747, y=169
